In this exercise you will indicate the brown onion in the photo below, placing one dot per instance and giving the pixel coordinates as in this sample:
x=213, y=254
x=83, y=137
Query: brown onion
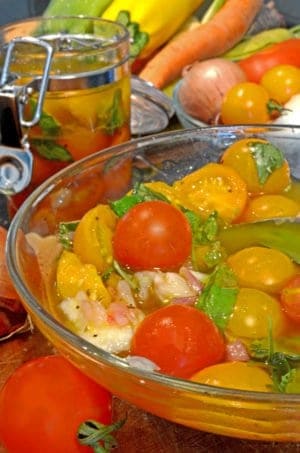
x=204, y=85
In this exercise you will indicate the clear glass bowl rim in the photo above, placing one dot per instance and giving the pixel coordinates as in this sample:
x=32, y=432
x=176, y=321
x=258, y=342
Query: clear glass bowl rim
x=86, y=348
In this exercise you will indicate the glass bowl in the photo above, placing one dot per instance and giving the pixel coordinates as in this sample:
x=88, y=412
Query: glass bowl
x=107, y=175
x=187, y=121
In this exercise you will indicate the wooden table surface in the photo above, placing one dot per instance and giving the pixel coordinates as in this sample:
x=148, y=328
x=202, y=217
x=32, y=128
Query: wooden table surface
x=142, y=431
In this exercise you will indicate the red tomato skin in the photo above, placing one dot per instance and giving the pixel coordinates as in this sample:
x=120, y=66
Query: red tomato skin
x=290, y=299
x=179, y=339
x=285, y=52
x=152, y=235
x=43, y=403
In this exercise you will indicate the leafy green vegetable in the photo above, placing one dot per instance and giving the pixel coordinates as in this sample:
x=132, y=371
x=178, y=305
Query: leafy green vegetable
x=219, y=295
x=48, y=124
x=65, y=233
x=214, y=255
x=139, y=194
x=252, y=44
x=121, y=206
x=115, y=114
x=129, y=278
x=51, y=150
x=281, y=364
x=280, y=234
x=204, y=231
x=267, y=158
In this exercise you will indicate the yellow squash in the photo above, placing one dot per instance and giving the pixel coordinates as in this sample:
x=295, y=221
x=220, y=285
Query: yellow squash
x=159, y=21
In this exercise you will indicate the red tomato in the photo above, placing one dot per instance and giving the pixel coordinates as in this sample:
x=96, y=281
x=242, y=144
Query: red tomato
x=152, y=234
x=179, y=339
x=43, y=403
x=286, y=52
x=290, y=299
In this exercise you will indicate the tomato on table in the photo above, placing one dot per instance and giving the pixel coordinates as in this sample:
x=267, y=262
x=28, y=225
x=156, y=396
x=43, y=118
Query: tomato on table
x=43, y=403
x=290, y=298
x=247, y=103
x=152, y=234
x=214, y=187
x=179, y=339
x=260, y=164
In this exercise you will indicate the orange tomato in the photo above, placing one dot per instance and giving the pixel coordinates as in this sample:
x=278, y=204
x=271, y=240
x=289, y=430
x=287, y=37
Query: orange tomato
x=240, y=157
x=270, y=206
x=262, y=268
x=214, y=187
x=282, y=82
x=235, y=375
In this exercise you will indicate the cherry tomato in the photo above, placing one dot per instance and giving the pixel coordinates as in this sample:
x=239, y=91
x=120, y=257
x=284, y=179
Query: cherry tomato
x=253, y=311
x=43, y=403
x=239, y=156
x=270, y=206
x=262, y=268
x=286, y=52
x=236, y=375
x=282, y=82
x=179, y=339
x=152, y=234
x=214, y=187
x=246, y=103
x=290, y=298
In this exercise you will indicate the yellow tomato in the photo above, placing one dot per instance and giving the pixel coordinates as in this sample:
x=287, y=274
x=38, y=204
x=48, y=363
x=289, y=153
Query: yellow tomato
x=93, y=237
x=262, y=268
x=72, y=276
x=214, y=187
x=240, y=157
x=270, y=206
x=282, y=82
x=235, y=375
x=252, y=314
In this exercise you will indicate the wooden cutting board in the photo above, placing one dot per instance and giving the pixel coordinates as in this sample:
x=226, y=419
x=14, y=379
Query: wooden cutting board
x=142, y=432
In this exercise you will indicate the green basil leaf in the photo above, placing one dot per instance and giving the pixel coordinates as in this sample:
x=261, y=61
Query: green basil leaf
x=48, y=124
x=267, y=158
x=51, y=150
x=65, y=233
x=115, y=115
x=219, y=295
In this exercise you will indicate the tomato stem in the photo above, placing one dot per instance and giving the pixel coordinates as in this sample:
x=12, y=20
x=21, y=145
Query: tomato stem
x=98, y=436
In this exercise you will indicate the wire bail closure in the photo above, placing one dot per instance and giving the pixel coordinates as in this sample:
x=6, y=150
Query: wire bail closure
x=16, y=159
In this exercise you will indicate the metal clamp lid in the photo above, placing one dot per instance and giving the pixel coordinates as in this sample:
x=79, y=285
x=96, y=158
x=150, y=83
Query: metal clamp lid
x=15, y=156
x=151, y=109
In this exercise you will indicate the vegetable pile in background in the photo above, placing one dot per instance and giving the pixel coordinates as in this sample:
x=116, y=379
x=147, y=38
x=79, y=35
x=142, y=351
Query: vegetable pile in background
x=165, y=40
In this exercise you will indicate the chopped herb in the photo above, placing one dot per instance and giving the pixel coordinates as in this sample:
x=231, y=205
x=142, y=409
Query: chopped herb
x=51, y=150
x=129, y=278
x=281, y=364
x=65, y=233
x=204, y=231
x=267, y=158
x=214, y=255
x=139, y=194
x=48, y=124
x=219, y=295
x=115, y=115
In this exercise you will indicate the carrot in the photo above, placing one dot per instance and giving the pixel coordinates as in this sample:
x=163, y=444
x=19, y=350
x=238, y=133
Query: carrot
x=209, y=40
